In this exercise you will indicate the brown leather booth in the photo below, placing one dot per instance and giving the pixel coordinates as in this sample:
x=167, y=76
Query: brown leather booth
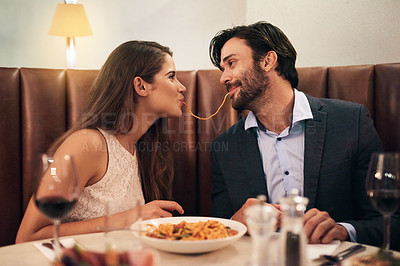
x=38, y=105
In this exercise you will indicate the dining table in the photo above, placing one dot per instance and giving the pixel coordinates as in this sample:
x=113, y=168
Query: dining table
x=237, y=253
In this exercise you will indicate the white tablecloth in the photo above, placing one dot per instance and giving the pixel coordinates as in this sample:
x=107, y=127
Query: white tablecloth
x=235, y=254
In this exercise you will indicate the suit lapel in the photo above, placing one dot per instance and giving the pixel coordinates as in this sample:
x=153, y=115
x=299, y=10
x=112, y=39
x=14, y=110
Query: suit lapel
x=252, y=162
x=314, y=143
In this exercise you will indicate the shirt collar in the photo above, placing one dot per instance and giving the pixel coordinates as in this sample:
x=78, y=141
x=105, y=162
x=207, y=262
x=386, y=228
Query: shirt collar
x=301, y=111
x=251, y=121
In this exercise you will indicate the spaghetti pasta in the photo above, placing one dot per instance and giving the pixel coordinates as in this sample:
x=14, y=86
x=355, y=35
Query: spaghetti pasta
x=206, y=118
x=190, y=231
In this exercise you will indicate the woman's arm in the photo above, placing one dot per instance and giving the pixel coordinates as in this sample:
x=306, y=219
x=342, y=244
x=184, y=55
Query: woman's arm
x=89, y=150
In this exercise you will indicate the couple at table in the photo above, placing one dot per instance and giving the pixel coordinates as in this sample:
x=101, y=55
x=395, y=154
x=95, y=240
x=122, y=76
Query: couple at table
x=288, y=140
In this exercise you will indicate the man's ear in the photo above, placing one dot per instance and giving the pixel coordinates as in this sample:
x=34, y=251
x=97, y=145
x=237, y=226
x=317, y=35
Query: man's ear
x=269, y=61
x=141, y=86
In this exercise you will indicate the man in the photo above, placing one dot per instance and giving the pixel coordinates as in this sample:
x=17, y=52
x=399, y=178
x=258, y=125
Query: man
x=321, y=147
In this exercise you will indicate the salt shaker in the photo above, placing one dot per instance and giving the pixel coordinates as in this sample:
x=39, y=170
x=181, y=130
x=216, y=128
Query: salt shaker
x=293, y=238
x=261, y=221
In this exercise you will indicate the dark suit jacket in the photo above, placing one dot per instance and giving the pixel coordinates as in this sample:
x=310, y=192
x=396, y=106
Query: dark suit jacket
x=339, y=141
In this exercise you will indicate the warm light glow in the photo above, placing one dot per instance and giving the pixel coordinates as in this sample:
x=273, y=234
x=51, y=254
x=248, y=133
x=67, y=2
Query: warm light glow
x=70, y=20
x=71, y=54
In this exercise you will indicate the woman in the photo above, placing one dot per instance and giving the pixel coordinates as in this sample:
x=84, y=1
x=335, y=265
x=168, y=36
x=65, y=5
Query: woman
x=116, y=145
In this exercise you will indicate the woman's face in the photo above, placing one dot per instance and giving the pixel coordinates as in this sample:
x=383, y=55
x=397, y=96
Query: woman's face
x=166, y=94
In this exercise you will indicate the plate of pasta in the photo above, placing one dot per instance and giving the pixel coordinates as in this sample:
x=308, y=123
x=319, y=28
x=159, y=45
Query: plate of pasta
x=188, y=235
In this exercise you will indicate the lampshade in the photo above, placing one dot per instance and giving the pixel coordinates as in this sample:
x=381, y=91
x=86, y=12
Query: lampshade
x=70, y=20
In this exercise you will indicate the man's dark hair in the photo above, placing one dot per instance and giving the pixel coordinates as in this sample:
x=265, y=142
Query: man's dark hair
x=261, y=37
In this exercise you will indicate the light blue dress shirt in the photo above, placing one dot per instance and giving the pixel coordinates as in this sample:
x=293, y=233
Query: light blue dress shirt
x=283, y=154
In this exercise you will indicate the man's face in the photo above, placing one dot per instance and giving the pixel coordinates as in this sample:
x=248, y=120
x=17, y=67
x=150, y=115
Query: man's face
x=244, y=78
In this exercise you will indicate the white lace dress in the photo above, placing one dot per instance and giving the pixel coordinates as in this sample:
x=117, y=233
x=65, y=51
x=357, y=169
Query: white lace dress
x=120, y=186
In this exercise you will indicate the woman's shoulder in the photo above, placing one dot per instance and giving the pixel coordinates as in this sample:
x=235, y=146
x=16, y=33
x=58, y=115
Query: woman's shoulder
x=89, y=149
x=86, y=141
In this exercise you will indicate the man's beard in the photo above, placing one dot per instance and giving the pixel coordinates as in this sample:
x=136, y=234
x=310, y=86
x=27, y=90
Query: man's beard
x=252, y=84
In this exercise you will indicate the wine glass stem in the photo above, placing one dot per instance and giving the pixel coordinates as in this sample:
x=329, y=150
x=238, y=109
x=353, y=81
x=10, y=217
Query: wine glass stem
x=386, y=233
x=56, y=244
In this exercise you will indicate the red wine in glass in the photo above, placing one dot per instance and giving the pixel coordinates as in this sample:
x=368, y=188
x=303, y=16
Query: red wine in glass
x=386, y=201
x=383, y=189
x=57, y=190
x=55, y=207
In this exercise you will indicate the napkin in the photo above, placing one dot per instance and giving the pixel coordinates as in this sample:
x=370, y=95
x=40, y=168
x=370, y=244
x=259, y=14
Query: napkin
x=316, y=250
x=49, y=253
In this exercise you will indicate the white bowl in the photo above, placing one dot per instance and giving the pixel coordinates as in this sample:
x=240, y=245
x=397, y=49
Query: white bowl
x=189, y=246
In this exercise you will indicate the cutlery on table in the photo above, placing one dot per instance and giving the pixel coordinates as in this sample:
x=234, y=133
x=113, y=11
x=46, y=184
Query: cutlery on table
x=61, y=245
x=48, y=245
x=335, y=259
x=51, y=244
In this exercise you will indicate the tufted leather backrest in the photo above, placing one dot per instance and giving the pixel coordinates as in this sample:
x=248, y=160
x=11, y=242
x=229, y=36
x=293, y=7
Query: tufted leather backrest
x=313, y=80
x=38, y=105
x=78, y=85
x=10, y=155
x=386, y=100
x=352, y=83
x=43, y=119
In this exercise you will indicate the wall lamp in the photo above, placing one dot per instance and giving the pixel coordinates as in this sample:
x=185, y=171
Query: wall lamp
x=70, y=21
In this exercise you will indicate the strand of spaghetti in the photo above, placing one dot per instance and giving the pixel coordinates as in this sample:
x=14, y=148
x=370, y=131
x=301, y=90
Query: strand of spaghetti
x=206, y=118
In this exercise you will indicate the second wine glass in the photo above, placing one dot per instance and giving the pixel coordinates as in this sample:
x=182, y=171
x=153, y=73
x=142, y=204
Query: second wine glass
x=383, y=189
x=57, y=191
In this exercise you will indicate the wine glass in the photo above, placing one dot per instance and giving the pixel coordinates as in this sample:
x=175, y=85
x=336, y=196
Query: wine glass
x=57, y=191
x=117, y=227
x=383, y=189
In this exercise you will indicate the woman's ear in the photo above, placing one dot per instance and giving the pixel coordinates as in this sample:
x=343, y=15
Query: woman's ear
x=141, y=86
x=269, y=61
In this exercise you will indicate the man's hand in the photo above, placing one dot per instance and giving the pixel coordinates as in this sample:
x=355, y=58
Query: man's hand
x=240, y=215
x=319, y=227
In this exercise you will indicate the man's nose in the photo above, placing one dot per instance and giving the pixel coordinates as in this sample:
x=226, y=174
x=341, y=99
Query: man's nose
x=225, y=78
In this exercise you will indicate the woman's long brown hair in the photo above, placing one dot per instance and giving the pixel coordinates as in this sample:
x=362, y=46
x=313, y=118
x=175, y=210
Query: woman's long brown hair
x=111, y=104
